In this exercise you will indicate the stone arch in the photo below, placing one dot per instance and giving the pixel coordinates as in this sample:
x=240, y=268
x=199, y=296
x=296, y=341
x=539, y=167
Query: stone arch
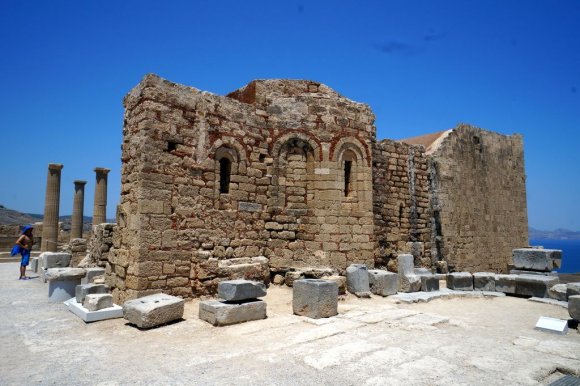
x=293, y=170
x=349, y=143
x=283, y=140
x=226, y=164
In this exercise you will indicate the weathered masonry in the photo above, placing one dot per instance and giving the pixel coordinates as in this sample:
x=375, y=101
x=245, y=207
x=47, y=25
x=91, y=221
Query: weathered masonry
x=285, y=174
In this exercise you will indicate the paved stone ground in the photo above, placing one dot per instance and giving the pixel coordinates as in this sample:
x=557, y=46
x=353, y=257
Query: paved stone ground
x=452, y=341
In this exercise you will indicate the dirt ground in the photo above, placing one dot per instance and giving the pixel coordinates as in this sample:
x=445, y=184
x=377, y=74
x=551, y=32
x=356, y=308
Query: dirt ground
x=479, y=341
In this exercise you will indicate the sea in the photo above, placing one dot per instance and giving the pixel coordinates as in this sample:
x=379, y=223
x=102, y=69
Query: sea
x=570, y=253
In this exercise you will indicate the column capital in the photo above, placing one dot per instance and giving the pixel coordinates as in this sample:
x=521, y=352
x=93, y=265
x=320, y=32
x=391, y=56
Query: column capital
x=79, y=182
x=102, y=170
x=55, y=166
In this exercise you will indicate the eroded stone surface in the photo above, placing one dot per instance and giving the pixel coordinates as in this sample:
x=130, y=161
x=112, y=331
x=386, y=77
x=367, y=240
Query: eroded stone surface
x=55, y=259
x=96, y=302
x=92, y=273
x=81, y=291
x=574, y=307
x=558, y=292
x=572, y=289
x=505, y=283
x=429, y=283
x=153, y=310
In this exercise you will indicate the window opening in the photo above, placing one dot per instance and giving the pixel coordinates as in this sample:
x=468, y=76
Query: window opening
x=347, y=168
x=225, y=172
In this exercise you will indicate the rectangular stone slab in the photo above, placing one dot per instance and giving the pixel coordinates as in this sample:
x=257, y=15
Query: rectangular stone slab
x=315, y=298
x=534, y=285
x=93, y=316
x=223, y=314
x=484, y=281
x=505, y=284
x=96, y=302
x=55, y=259
x=357, y=278
x=460, y=281
x=237, y=290
x=153, y=310
x=537, y=259
x=65, y=274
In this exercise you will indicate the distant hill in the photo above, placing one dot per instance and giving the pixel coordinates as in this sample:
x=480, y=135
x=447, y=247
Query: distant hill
x=558, y=234
x=10, y=216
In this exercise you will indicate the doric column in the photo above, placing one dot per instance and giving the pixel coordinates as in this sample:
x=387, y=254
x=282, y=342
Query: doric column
x=100, y=209
x=76, y=228
x=51, y=206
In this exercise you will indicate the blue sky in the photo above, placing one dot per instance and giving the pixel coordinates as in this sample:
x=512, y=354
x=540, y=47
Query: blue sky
x=423, y=66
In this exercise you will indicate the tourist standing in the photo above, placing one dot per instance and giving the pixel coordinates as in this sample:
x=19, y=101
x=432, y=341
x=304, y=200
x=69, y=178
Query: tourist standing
x=24, y=244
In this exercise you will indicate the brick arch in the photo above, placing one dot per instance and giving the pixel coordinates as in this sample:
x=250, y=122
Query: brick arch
x=284, y=139
x=350, y=143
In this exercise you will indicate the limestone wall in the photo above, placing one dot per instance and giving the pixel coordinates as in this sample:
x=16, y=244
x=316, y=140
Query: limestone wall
x=479, y=199
x=401, y=203
x=299, y=191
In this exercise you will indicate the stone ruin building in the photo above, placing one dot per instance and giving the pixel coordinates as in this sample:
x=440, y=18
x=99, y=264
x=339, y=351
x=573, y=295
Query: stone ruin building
x=288, y=175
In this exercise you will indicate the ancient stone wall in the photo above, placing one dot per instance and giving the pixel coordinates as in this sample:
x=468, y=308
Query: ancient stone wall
x=401, y=203
x=479, y=199
x=276, y=174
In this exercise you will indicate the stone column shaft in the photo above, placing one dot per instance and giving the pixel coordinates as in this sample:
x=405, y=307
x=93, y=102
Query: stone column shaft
x=76, y=231
x=100, y=208
x=51, y=208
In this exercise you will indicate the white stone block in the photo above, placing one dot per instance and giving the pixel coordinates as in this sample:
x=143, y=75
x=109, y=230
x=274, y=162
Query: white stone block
x=556, y=326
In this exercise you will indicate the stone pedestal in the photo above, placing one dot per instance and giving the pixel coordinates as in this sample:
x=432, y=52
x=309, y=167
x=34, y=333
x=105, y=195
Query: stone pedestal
x=153, y=310
x=62, y=283
x=91, y=274
x=76, y=229
x=87, y=316
x=51, y=209
x=100, y=207
x=315, y=298
x=82, y=290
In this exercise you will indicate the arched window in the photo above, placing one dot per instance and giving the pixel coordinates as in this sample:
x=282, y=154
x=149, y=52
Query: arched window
x=225, y=173
x=349, y=172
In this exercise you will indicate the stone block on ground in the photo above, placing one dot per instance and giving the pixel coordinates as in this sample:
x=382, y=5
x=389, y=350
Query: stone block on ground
x=537, y=259
x=315, y=298
x=98, y=301
x=357, y=278
x=572, y=289
x=405, y=264
x=552, y=325
x=62, y=283
x=82, y=290
x=153, y=310
x=429, y=283
x=574, y=307
x=223, y=314
x=278, y=279
x=291, y=276
x=460, y=281
x=34, y=264
x=55, y=259
x=534, y=285
x=340, y=281
x=383, y=283
x=91, y=274
x=505, y=284
x=484, y=281
x=237, y=290
x=558, y=292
